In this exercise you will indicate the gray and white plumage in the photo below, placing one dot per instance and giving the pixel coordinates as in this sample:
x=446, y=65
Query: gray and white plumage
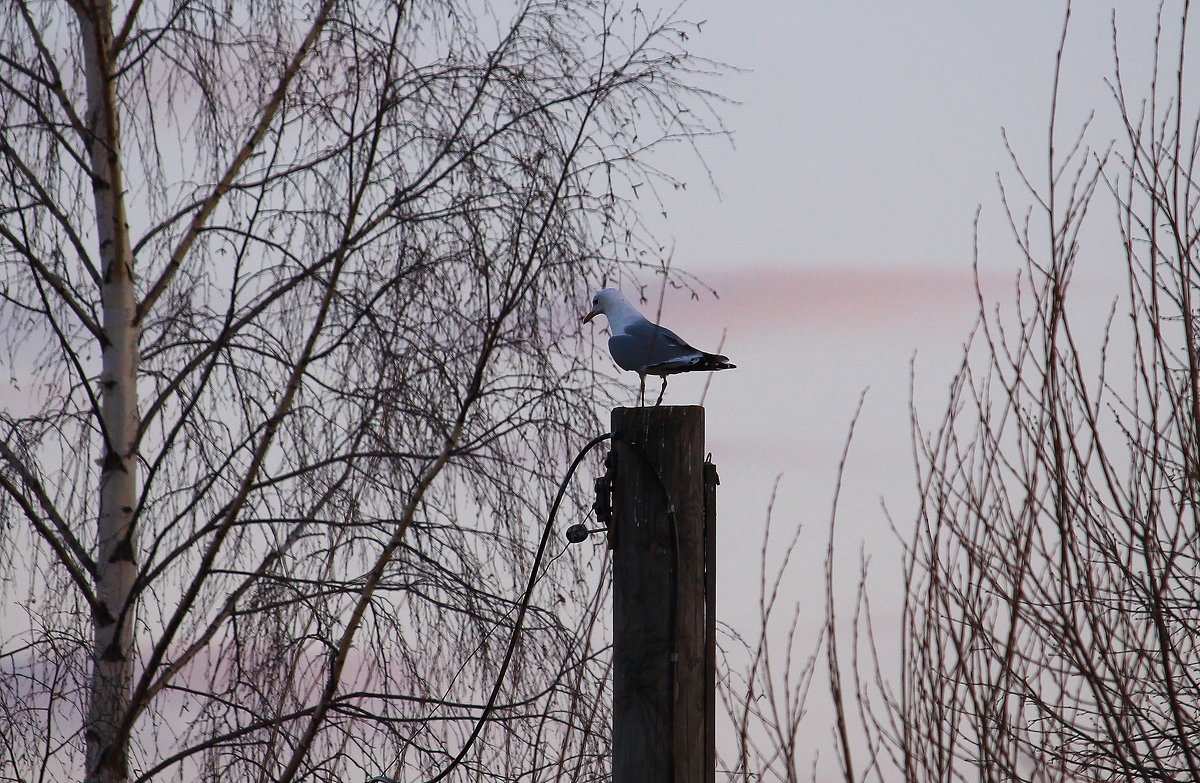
x=646, y=348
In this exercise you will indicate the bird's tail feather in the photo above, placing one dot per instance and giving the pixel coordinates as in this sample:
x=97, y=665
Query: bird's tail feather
x=698, y=362
x=715, y=361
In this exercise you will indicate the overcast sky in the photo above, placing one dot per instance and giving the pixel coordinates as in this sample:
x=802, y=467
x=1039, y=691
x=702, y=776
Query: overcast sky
x=866, y=136
x=867, y=132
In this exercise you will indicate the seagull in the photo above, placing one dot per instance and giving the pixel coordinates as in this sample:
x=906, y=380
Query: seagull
x=647, y=348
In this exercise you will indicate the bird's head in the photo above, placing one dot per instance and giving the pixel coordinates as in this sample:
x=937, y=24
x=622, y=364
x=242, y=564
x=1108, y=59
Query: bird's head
x=600, y=303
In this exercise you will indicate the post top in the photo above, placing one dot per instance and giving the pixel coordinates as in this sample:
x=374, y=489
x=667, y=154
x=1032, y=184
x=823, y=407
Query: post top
x=659, y=408
x=659, y=419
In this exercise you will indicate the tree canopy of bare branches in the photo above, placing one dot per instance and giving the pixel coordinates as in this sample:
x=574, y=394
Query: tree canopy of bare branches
x=1049, y=621
x=1051, y=627
x=283, y=292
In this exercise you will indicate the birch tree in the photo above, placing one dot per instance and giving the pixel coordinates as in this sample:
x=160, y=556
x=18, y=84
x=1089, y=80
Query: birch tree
x=293, y=375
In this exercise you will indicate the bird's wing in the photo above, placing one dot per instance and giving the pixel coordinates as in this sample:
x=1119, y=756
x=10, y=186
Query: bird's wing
x=645, y=346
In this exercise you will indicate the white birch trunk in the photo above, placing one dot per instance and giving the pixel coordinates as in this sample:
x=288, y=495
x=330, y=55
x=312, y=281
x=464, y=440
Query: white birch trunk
x=112, y=663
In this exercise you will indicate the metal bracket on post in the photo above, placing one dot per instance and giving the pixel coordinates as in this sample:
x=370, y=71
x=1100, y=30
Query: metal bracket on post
x=603, y=503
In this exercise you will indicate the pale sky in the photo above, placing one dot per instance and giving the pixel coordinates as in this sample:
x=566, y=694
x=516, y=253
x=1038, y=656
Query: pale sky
x=867, y=132
x=866, y=136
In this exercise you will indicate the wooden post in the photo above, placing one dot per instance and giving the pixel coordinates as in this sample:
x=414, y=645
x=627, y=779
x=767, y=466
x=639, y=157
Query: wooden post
x=661, y=651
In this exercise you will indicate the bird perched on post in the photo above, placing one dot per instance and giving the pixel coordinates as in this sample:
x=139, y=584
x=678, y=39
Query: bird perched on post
x=647, y=348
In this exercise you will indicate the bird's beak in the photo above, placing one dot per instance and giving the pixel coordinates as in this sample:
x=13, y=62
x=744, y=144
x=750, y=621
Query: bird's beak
x=589, y=316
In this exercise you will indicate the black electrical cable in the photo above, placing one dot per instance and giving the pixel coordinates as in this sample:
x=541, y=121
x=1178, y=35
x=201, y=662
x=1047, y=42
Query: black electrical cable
x=524, y=607
x=533, y=579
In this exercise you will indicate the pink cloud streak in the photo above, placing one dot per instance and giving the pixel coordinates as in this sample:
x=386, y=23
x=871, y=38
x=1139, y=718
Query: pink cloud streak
x=828, y=295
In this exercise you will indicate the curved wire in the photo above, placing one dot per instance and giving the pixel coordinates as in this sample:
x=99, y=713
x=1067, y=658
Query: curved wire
x=524, y=606
x=534, y=575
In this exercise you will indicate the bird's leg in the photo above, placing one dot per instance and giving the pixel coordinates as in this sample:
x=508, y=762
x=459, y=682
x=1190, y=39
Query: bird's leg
x=641, y=390
x=661, y=391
